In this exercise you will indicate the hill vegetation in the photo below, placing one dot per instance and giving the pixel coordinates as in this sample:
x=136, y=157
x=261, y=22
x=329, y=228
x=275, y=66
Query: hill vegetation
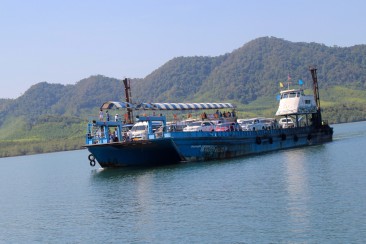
x=52, y=117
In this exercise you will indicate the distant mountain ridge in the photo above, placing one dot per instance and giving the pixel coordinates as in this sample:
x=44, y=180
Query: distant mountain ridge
x=248, y=76
x=251, y=71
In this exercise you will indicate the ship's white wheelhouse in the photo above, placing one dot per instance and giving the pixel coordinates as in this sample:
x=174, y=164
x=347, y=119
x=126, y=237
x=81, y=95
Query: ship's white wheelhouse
x=295, y=102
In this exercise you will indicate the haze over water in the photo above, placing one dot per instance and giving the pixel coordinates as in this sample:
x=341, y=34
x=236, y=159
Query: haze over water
x=308, y=195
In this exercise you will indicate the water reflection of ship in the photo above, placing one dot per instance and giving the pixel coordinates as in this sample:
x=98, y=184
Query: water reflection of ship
x=130, y=172
x=297, y=186
x=119, y=173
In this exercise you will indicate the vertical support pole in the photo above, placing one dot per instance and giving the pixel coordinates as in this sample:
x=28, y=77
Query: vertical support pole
x=126, y=83
x=317, y=118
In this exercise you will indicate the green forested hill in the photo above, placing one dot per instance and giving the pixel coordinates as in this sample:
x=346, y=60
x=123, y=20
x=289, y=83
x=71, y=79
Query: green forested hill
x=179, y=80
x=51, y=117
x=253, y=71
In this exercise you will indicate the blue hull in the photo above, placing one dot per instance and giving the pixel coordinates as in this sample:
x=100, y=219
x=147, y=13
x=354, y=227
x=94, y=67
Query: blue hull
x=203, y=146
x=178, y=147
x=138, y=153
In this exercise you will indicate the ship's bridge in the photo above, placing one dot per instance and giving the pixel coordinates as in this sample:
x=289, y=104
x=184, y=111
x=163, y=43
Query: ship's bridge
x=294, y=102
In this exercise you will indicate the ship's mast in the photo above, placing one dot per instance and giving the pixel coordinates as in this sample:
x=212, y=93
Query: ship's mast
x=127, y=85
x=317, y=118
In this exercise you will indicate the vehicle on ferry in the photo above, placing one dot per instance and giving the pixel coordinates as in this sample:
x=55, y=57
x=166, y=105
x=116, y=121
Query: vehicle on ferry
x=257, y=124
x=140, y=129
x=228, y=126
x=286, y=123
x=200, y=126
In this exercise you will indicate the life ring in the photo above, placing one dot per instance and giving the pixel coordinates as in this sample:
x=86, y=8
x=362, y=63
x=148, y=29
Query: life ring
x=258, y=140
x=91, y=160
x=91, y=157
x=296, y=138
x=92, y=163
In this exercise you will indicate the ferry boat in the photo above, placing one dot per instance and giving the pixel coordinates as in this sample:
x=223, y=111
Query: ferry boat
x=109, y=143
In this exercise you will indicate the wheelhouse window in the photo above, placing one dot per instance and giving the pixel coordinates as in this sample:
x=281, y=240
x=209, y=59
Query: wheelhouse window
x=292, y=94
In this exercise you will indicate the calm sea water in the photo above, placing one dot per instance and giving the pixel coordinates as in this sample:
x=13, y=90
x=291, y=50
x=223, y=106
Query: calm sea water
x=309, y=195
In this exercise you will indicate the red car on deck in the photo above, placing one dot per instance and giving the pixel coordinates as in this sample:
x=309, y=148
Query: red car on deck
x=228, y=126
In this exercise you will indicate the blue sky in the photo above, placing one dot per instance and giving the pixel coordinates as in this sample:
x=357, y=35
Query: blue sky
x=65, y=41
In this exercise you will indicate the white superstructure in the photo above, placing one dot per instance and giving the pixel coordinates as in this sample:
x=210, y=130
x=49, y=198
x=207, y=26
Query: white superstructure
x=294, y=102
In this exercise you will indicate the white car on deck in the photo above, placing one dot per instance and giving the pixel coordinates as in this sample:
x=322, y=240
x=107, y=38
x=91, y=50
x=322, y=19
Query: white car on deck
x=286, y=123
x=140, y=129
x=254, y=124
x=200, y=126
